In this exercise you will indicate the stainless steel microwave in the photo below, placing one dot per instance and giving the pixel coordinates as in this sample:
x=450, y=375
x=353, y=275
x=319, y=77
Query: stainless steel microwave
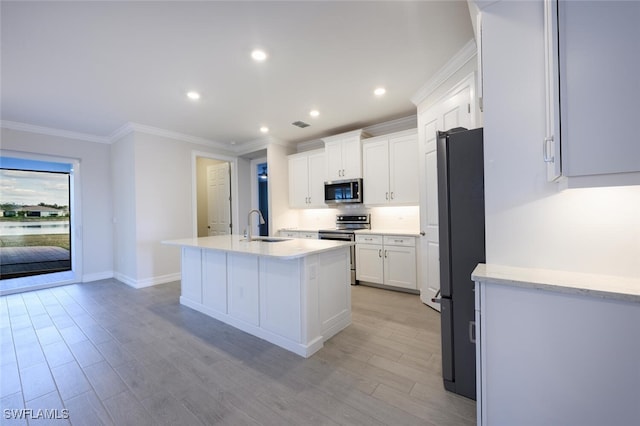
x=343, y=191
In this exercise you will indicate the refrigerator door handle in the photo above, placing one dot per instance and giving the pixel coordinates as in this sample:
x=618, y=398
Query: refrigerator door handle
x=472, y=332
x=436, y=299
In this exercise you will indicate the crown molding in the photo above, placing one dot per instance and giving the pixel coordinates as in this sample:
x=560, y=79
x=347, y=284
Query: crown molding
x=392, y=126
x=468, y=52
x=32, y=128
x=156, y=131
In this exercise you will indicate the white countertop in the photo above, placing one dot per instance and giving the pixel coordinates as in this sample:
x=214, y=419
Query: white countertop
x=398, y=232
x=602, y=286
x=289, y=249
x=300, y=229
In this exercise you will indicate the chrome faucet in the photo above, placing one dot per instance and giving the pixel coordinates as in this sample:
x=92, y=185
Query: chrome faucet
x=249, y=238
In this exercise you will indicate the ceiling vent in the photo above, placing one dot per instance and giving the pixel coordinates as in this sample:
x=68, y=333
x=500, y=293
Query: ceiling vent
x=301, y=124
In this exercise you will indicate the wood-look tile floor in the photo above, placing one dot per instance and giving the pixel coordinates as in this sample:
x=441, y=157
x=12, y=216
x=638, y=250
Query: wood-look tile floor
x=108, y=354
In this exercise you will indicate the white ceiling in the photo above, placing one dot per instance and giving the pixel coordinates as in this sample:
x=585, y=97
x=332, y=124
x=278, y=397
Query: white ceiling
x=91, y=67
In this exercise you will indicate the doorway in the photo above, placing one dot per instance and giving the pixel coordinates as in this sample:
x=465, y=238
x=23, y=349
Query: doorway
x=39, y=206
x=263, y=197
x=213, y=197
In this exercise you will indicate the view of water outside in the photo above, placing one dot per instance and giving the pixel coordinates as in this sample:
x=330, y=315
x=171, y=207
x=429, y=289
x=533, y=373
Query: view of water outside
x=34, y=223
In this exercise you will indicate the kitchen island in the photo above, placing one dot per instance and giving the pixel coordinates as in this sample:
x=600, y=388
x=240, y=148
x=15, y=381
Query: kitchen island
x=294, y=293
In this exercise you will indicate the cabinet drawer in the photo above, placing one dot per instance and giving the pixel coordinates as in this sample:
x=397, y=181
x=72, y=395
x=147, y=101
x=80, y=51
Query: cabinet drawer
x=393, y=240
x=308, y=235
x=290, y=234
x=369, y=239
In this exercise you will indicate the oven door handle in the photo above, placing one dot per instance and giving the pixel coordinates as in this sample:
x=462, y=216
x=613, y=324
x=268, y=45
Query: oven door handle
x=335, y=237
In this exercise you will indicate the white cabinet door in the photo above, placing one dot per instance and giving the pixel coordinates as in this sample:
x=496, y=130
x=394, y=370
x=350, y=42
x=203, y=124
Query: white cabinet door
x=298, y=181
x=191, y=282
x=214, y=280
x=403, y=170
x=592, y=103
x=375, y=174
x=352, y=158
x=280, y=297
x=333, y=151
x=344, y=155
x=306, y=180
x=243, y=287
x=369, y=264
x=400, y=266
x=316, y=178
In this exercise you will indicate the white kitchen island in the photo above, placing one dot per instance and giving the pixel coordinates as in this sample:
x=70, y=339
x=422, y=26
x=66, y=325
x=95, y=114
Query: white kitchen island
x=294, y=293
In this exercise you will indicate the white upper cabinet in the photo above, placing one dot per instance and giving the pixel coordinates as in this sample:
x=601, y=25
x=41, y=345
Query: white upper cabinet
x=390, y=169
x=306, y=179
x=593, y=87
x=344, y=155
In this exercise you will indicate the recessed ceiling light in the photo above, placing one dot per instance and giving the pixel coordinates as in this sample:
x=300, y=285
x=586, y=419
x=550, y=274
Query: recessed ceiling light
x=193, y=95
x=314, y=113
x=259, y=55
x=380, y=91
x=264, y=129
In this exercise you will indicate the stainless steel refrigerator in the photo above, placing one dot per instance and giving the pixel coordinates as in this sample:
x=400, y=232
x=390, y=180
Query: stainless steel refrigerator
x=462, y=247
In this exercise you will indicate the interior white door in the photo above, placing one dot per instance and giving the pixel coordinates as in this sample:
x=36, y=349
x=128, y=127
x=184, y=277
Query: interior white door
x=219, y=199
x=456, y=109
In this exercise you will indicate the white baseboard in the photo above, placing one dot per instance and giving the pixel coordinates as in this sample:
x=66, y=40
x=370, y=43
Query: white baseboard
x=147, y=282
x=97, y=276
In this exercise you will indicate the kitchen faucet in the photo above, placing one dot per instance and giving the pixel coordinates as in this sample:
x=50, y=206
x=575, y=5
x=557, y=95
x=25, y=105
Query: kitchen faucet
x=249, y=238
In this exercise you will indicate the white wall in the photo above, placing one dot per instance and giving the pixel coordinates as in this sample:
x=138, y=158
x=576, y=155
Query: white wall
x=280, y=216
x=530, y=222
x=97, y=229
x=160, y=179
x=124, y=207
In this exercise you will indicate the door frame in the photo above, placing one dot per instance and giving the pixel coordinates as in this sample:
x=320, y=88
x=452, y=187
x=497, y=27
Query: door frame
x=254, y=188
x=233, y=164
x=75, y=225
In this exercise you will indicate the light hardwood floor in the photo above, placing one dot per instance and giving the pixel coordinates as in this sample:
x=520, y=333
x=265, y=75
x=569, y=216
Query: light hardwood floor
x=110, y=354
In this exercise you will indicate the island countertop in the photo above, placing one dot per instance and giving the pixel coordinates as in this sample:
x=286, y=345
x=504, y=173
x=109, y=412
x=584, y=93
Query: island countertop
x=285, y=248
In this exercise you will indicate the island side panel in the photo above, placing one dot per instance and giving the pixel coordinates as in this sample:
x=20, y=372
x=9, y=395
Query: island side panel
x=191, y=281
x=214, y=280
x=280, y=310
x=243, y=287
x=334, y=291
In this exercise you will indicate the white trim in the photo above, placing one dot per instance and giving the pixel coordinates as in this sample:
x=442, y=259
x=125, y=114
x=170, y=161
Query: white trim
x=156, y=131
x=131, y=282
x=392, y=126
x=147, y=282
x=75, y=208
x=97, y=276
x=464, y=55
x=254, y=188
x=233, y=163
x=42, y=130
x=331, y=138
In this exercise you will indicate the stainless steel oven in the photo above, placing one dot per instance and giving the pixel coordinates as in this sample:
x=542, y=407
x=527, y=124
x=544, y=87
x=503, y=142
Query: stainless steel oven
x=346, y=225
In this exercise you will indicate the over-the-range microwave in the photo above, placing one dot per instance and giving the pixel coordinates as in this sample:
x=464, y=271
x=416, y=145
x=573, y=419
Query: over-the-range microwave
x=346, y=191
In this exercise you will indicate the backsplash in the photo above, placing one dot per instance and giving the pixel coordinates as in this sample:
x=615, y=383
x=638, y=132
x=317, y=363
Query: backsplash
x=404, y=218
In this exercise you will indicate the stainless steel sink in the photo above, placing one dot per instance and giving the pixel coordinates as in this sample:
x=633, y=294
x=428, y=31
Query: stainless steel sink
x=269, y=239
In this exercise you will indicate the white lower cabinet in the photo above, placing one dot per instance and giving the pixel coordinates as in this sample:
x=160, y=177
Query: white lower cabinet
x=214, y=280
x=243, y=284
x=280, y=297
x=191, y=281
x=388, y=260
x=310, y=235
